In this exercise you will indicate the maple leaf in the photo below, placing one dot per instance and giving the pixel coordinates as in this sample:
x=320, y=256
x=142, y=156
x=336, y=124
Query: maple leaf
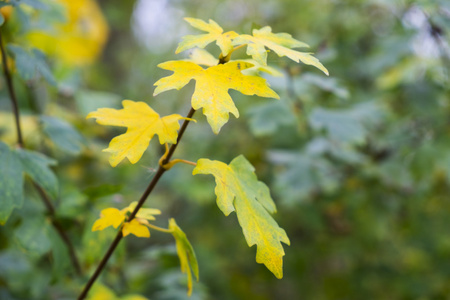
x=186, y=254
x=238, y=189
x=136, y=227
x=143, y=213
x=142, y=122
x=212, y=85
x=109, y=217
x=280, y=43
x=204, y=58
x=215, y=33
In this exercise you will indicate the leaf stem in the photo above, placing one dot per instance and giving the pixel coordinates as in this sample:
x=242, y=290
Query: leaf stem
x=159, y=228
x=142, y=200
x=20, y=142
x=173, y=162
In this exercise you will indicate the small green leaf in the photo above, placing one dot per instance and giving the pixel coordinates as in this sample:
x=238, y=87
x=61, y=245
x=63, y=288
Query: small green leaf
x=11, y=183
x=62, y=134
x=30, y=63
x=2, y=20
x=36, y=165
x=266, y=118
x=238, y=189
x=60, y=253
x=185, y=252
x=32, y=236
x=346, y=125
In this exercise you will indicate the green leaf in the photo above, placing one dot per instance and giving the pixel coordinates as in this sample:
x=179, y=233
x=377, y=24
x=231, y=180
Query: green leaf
x=32, y=235
x=2, y=20
x=62, y=134
x=36, y=165
x=266, y=118
x=60, y=254
x=185, y=252
x=238, y=189
x=11, y=183
x=88, y=100
x=346, y=125
x=30, y=63
x=302, y=175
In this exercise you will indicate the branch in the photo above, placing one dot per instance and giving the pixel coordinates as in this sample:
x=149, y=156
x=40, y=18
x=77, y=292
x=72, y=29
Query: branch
x=12, y=94
x=20, y=142
x=143, y=198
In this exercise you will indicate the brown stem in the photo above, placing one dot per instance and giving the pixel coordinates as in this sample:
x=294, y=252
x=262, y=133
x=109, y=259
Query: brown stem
x=59, y=228
x=143, y=198
x=21, y=144
x=12, y=94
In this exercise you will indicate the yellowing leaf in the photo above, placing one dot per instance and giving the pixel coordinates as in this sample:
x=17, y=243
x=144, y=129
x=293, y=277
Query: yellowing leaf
x=215, y=33
x=280, y=43
x=79, y=40
x=143, y=213
x=109, y=217
x=135, y=227
x=212, y=85
x=185, y=253
x=101, y=292
x=238, y=189
x=202, y=57
x=143, y=123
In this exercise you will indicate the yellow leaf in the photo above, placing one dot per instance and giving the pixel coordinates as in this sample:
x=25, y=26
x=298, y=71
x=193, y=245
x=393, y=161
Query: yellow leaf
x=212, y=85
x=238, y=189
x=143, y=213
x=109, y=217
x=215, y=33
x=143, y=123
x=280, y=43
x=185, y=253
x=79, y=40
x=135, y=227
x=202, y=57
x=101, y=292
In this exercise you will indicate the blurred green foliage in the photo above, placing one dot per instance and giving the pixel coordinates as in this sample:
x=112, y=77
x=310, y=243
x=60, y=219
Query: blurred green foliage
x=358, y=162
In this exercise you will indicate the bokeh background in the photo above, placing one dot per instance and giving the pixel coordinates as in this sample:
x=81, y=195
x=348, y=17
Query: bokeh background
x=357, y=162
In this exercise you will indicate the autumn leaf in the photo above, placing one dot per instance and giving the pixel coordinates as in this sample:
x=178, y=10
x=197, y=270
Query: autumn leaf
x=215, y=33
x=115, y=217
x=136, y=227
x=143, y=213
x=238, y=189
x=77, y=39
x=204, y=58
x=143, y=123
x=186, y=254
x=109, y=217
x=280, y=43
x=212, y=85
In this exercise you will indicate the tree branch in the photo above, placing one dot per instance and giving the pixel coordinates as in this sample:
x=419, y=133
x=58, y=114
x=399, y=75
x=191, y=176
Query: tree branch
x=20, y=142
x=142, y=200
x=12, y=94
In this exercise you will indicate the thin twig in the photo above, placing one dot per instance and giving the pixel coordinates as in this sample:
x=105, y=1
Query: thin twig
x=59, y=228
x=12, y=94
x=20, y=142
x=143, y=198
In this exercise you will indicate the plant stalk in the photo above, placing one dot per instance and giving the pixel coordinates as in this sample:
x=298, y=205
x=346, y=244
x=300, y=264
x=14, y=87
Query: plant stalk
x=12, y=94
x=142, y=200
x=20, y=142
